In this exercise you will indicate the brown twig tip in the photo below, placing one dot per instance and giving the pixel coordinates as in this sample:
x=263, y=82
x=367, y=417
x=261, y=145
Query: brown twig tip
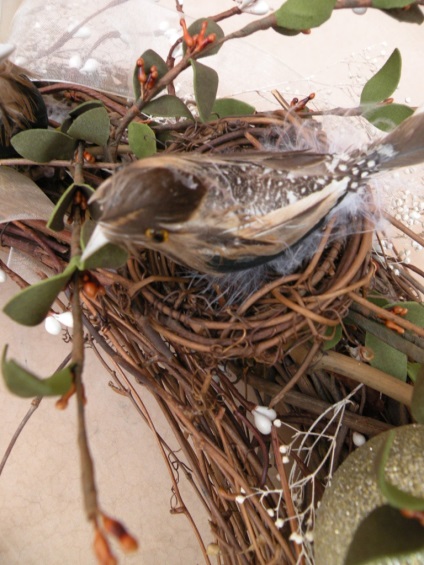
x=102, y=550
x=115, y=528
x=63, y=401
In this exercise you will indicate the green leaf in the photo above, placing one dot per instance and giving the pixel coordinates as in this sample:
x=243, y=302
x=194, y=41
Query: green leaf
x=304, y=14
x=212, y=27
x=389, y=4
x=30, y=306
x=56, y=220
x=25, y=384
x=336, y=334
x=386, y=358
x=167, y=106
x=389, y=116
x=413, y=370
x=109, y=256
x=230, y=107
x=384, y=82
x=150, y=58
x=142, y=140
x=396, y=497
x=43, y=145
x=205, y=82
x=411, y=16
x=417, y=404
x=85, y=107
x=92, y=125
x=385, y=536
x=286, y=31
x=415, y=313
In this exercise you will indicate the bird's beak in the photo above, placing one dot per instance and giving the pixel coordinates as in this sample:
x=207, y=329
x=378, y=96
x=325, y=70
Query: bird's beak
x=97, y=240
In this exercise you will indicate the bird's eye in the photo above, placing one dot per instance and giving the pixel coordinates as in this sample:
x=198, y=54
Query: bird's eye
x=158, y=236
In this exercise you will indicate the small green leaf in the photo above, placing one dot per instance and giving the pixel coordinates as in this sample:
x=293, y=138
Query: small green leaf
x=167, y=106
x=386, y=358
x=25, y=384
x=390, y=4
x=30, y=306
x=286, y=31
x=385, y=536
x=224, y=107
x=304, y=14
x=43, y=145
x=413, y=15
x=56, y=220
x=142, y=140
x=205, y=82
x=336, y=334
x=212, y=27
x=92, y=125
x=150, y=58
x=413, y=370
x=384, y=82
x=415, y=313
x=396, y=497
x=417, y=404
x=109, y=256
x=388, y=116
x=85, y=107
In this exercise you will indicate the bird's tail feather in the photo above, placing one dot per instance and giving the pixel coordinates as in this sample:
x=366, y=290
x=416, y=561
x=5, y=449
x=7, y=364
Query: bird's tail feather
x=404, y=146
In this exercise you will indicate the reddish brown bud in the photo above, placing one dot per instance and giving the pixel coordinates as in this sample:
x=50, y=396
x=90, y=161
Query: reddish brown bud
x=400, y=310
x=91, y=289
x=63, y=401
x=102, y=550
x=116, y=529
x=394, y=326
x=188, y=40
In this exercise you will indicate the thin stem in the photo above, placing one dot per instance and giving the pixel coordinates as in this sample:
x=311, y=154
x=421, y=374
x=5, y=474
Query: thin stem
x=35, y=403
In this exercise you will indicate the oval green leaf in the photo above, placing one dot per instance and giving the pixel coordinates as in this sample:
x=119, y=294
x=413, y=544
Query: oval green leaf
x=387, y=117
x=336, y=335
x=85, y=107
x=43, y=145
x=142, y=140
x=25, y=384
x=385, y=536
x=386, y=358
x=384, y=82
x=167, y=106
x=92, y=126
x=56, y=220
x=212, y=27
x=109, y=256
x=286, y=31
x=30, y=306
x=224, y=107
x=205, y=82
x=304, y=14
x=390, y=4
x=413, y=15
x=150, y=58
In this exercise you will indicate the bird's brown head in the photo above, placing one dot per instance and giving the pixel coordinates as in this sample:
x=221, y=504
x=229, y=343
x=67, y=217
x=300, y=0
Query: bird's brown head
x=146, y=200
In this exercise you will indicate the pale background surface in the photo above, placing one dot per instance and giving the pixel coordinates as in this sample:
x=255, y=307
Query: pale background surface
x=41, y=516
